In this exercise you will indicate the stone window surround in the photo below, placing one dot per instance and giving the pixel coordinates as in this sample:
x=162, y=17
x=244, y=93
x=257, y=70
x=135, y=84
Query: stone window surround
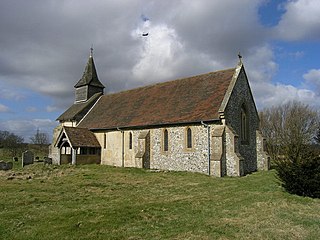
x=104, y=140
x=130, y=140
x=165, y=134
x=244, y=125
x=186, y=148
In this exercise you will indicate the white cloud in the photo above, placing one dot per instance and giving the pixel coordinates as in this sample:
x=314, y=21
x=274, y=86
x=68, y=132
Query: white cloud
x=10, y=94
x=187, y=33
x=261, y=65
x=297, y=54
x=51, y=108
x=300, y=21
x=268, y=95
x=31, y=109
x=160, y=51
x=185, y=38
x=27, y=128
x=312, y=77
x=3, y=108
x=218, y=28
x=46, y=51
x=163, y=56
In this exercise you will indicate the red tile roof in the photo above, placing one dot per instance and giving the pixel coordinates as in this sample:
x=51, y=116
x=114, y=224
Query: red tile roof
x=192, y=99
x=81, y=137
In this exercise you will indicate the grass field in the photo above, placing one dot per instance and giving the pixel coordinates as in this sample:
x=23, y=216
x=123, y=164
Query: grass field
x=38, y=151
x=101, y=202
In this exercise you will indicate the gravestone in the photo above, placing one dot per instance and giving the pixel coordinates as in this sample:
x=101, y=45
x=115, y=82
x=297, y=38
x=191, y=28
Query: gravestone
x=47, y=160
x=9, y=165
x=27, y=158
x=5, y=165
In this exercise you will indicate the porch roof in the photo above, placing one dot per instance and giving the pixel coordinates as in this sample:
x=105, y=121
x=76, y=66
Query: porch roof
x=79, y=137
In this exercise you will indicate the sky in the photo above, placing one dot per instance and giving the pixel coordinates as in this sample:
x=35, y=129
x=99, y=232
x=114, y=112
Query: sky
x=45, y=45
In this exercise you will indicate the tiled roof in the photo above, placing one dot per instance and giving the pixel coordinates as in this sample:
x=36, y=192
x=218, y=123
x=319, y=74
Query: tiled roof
x=81, y=137
x=192, y=99
x=78, y=110
x=90, y=76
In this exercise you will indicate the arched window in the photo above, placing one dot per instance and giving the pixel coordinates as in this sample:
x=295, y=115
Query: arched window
x=244, y=131
x=189, y=138
x=130, y=140
x=165, y=140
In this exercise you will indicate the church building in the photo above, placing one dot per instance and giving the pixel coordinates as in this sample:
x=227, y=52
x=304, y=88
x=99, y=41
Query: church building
x=206, y=123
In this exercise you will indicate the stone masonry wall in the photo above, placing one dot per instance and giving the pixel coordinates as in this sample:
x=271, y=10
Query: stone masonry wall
x=241, y=95
x=234, y=161
x=263, y=157
x=112, y=151
x=218, y=154
x=54, y=152
x=178, y=157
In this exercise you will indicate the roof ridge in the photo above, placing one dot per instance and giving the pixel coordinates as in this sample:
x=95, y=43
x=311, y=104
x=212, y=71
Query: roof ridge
x=167, y=82
x=75, y=127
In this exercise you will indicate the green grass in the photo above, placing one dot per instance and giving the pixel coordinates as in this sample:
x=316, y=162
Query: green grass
x=101, y=202
x=38, y=151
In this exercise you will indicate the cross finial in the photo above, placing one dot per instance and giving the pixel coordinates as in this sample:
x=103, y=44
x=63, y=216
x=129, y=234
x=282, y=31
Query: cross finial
x=240, y=57
x=91, y=51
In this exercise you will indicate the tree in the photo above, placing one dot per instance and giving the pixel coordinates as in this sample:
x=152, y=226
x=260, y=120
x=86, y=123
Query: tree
x=317, y=137
x=3, y=137
x=11, y=143
x=40, y=138
x=288, y=128
x=300, y=176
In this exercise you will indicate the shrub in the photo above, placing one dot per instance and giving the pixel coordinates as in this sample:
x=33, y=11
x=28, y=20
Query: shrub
x=300, y=175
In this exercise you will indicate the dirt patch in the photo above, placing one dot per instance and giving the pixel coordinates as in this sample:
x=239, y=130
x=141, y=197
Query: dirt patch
x=36, y=172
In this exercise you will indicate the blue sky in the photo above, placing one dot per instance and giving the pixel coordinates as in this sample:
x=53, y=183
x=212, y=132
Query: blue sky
x=45, y=46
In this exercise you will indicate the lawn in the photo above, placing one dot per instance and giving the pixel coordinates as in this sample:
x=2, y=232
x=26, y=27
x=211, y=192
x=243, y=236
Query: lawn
x=101, y=202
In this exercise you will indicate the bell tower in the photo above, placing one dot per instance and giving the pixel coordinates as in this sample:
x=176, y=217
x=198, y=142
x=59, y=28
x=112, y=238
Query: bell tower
x=89, y=84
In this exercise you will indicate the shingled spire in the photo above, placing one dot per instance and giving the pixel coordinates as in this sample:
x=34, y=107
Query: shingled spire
x=89, y=84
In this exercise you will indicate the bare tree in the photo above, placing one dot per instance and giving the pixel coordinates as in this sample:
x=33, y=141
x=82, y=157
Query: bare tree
x=3, y=137
x=288, y=128
x=40, y=138
x=11, y=143
x=317, y=137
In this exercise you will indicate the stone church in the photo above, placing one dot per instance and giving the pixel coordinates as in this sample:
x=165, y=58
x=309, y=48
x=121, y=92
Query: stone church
x=206, y=123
